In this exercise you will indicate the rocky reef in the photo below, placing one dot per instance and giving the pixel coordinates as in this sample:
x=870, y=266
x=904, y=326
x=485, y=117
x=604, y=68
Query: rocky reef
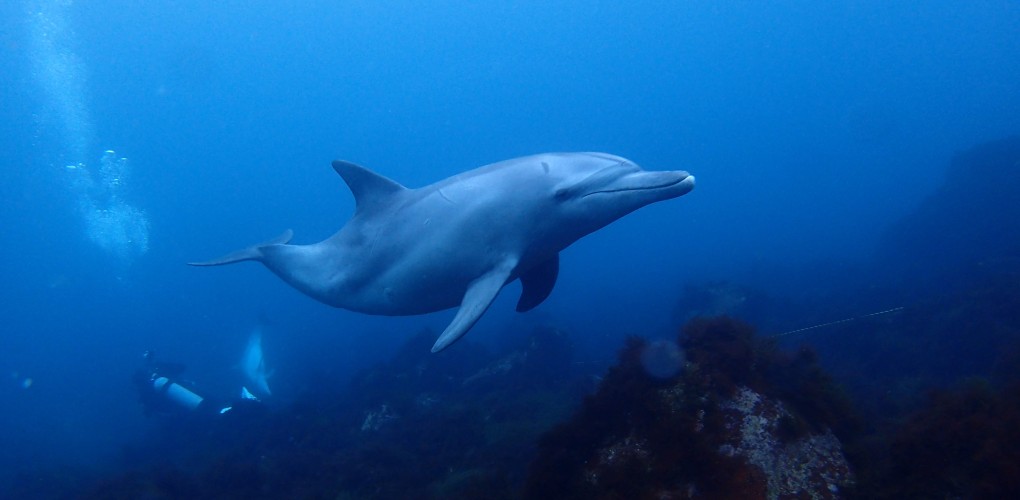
x=459, y=424
x=741, y=419
x=962, y=444
x=719, y=413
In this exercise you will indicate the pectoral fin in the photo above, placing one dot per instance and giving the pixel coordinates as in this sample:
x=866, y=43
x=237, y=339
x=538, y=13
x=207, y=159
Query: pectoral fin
x=538, y=282
x=480, y=293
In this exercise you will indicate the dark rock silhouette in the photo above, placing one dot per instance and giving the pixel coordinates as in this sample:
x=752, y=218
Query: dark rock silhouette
x=973, y=219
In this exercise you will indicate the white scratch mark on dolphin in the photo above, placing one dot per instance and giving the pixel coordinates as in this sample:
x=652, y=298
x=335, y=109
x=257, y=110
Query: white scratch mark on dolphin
x=447, y=198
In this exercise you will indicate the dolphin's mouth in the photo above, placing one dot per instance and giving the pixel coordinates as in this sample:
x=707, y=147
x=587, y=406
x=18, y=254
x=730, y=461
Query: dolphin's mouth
x=687, y=181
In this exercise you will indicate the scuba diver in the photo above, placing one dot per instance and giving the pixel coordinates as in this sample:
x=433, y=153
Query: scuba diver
x=162, y=391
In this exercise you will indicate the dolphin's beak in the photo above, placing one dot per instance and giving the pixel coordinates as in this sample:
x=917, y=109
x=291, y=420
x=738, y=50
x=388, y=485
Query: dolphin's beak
x=675, y=183
x=686, y=184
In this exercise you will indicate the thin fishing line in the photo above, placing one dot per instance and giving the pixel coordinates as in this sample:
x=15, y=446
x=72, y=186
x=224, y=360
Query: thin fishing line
x=887, y=311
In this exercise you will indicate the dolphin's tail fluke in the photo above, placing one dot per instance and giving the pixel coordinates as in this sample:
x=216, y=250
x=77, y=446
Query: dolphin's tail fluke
x=253, y=252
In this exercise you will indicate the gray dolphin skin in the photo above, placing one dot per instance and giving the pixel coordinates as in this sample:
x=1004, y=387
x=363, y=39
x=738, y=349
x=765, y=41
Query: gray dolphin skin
x=460, y=240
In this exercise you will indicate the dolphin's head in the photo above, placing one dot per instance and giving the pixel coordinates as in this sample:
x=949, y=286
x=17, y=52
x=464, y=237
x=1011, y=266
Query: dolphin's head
x=596, y=188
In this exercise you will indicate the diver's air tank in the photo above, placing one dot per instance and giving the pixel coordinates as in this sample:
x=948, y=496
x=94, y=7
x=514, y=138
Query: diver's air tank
x=177, y=393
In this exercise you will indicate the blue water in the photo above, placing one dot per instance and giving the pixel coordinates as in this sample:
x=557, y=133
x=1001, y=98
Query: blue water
x=811, y=127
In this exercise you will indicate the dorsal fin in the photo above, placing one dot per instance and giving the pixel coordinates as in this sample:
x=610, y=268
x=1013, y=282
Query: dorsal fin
x=367, y=186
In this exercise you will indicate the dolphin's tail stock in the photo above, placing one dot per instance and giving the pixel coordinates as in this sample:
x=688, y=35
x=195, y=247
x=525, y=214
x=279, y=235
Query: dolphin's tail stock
x=253, y=252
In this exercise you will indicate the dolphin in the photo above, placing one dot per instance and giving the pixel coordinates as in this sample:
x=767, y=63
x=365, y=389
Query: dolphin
x=459, y=241
x=253, y=364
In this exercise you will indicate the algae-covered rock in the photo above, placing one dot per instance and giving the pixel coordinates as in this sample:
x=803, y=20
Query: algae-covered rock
x=724, y=427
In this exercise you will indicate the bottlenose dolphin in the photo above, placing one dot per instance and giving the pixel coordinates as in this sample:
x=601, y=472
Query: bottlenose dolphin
x=460, y=240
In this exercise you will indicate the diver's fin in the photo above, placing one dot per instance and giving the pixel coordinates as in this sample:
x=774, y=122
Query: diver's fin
x=480, y=294
x=538, y=282
x=368, y=187
x=246, y=394
x=253, y=252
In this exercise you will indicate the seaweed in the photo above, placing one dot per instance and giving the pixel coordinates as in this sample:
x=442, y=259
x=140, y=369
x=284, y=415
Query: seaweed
x=640, y=436
x=965, y=443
